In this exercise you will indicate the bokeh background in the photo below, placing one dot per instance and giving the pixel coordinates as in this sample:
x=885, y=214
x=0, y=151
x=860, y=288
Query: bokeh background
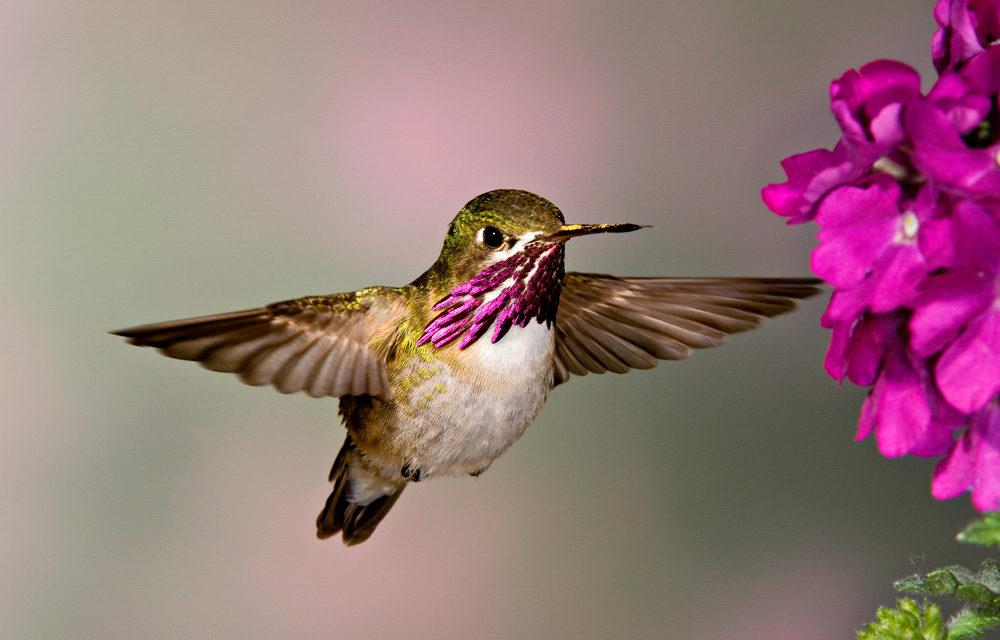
x=165, y=159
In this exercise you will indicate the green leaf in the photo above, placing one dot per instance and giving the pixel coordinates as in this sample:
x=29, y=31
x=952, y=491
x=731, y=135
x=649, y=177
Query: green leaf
x=981, y=589
x=985, y=531
x=970, y=624
x=909, y=621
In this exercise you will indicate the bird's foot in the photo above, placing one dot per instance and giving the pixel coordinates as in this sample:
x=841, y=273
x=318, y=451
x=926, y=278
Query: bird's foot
x=411, y=472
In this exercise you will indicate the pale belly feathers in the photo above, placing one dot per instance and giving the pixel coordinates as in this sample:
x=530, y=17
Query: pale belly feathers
x=457, y=418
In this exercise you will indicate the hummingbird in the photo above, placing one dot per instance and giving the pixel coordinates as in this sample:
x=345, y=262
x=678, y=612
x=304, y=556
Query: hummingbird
x=439, y=377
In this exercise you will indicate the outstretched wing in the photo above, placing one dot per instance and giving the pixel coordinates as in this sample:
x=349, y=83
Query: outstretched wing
x=320, y=345
x=614, y=324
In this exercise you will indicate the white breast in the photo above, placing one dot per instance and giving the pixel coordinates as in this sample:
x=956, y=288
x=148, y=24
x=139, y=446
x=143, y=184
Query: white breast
x=465, y=421
x=518, y=354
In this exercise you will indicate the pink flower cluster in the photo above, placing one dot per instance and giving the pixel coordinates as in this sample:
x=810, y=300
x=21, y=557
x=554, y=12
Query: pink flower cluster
x=908, y=203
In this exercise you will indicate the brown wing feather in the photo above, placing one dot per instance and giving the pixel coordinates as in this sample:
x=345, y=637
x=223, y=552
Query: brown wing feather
x=614, y=324
x=319, y=345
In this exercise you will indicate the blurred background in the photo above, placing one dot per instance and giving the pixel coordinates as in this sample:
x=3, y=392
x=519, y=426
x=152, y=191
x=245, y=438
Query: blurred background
x=167, y=159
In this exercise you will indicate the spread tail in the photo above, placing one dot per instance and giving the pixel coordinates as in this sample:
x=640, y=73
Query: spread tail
x=359, y=499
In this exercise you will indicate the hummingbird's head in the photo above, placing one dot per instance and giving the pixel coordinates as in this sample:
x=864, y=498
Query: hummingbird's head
x=502, y=265
x=496, y=225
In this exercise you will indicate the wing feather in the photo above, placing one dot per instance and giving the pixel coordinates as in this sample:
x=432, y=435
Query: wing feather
x=320, y=345
x=578, y=346
x=606, y=323
x=267, y=362
x=295, y=373
x=317, y=384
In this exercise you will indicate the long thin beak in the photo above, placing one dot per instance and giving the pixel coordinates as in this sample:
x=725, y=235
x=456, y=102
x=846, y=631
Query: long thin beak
x=573, y=230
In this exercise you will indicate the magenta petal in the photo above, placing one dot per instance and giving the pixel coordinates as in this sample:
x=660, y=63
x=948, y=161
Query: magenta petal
x=976, y=234
x=987, y=21
x=983, y=71
x=956, y=41
x=968, y=372
x=953, y=474
x=858, y=223
x=844, y=258
x=810, y=176
x=897, y=279
x=971, y=171
x=939, y=41
x=909, y=416
x=887, y=127
x=946, y=304
x=939, y=437
x=898, y=407
x=940, y=153
x=786, y=199
x=835, y=362
x=937, y=243
x=869, y=342
x=857, y=348
x=930, y=127
x=850, y=205
x=868, y=90
x=867, y=104
x=847, y=305
x=962, y=106
x=986, y=485
x=869, y=416
x=974, y=462
x=892, y=285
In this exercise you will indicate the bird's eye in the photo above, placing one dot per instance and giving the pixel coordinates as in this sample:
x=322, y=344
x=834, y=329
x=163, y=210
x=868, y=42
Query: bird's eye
x=492, y=237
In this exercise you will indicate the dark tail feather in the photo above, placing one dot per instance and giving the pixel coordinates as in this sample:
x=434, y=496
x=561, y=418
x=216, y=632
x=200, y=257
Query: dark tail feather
x=357, y=521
